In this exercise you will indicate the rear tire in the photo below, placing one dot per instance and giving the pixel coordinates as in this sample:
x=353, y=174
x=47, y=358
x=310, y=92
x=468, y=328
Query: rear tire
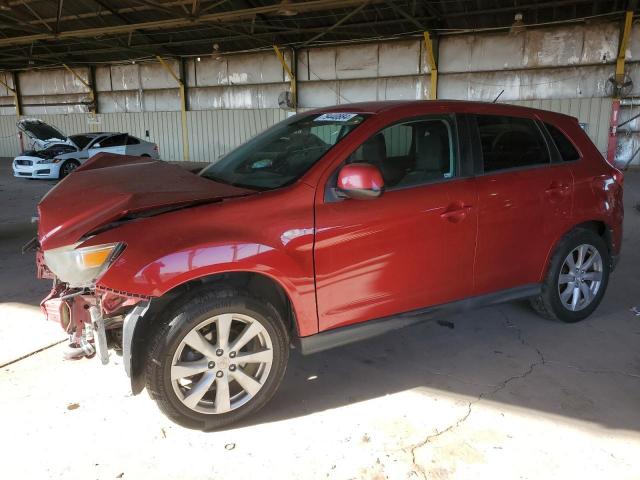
x=206, y=385
x=577, y=278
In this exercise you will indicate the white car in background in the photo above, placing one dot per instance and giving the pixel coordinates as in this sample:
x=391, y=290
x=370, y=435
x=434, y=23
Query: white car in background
x=55, y=155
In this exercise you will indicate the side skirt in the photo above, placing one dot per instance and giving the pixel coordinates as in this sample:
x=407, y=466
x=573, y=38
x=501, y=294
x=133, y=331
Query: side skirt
x=372, y=328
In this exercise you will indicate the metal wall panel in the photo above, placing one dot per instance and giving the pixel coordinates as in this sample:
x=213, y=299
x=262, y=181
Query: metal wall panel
x=254, y=68
x=8, y=79
x=469, y=53
x=549, y=47
x=399, y=58
x=535, y=67
x=119, y=102
x=52, y=82
x=317, y=64
x=208, y=72
x=154, y=76
x=565, y=82
x=212, y=133
x=9, y=142
x=123, y=77
x=629, y=134
x=356, y=61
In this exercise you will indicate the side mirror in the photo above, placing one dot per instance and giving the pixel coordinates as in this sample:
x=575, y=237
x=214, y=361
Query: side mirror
x=97, y=145
x=360, y=181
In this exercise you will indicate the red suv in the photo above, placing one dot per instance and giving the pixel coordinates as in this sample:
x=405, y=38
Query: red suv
x=332, y=226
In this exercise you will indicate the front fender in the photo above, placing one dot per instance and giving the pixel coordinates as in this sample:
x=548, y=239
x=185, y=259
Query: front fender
x=169, y=250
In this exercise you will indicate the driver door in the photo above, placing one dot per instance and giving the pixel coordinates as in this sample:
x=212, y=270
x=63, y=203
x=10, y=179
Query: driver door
x=410, y=248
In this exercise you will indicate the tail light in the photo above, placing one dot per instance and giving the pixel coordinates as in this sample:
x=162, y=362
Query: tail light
x=617, y=175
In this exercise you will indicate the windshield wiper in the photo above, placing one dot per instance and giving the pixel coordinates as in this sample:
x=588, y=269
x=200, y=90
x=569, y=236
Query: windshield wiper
x=238, y=185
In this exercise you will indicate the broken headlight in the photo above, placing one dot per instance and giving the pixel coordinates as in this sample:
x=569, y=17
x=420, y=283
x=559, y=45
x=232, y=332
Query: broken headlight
x=80, y=267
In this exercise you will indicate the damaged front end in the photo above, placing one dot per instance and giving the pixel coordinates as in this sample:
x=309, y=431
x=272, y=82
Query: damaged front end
x=95, y=319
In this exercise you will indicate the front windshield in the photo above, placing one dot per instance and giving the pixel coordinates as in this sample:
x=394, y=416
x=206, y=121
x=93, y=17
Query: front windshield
x=284, y=152
x=80, y=141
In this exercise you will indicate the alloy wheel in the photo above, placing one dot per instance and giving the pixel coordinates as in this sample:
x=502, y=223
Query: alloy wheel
x=67, y=168
x=580, y=277
x=222, y=363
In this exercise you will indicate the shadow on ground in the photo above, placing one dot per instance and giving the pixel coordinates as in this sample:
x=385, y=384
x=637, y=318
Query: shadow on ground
x=589, y=371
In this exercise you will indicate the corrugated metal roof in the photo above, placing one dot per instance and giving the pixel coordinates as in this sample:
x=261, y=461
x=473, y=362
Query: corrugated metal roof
x=37, y=33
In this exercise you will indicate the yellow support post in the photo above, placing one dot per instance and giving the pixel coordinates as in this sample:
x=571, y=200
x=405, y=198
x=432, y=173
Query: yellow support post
x=14, y=92
x=624, y=42
x=433, y=66
x=183, y=108
x=92, y=95
x=292, y=77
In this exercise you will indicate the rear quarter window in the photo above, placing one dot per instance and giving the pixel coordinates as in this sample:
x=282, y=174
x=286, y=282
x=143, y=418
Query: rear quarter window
x=567, y=151
x=114, y=141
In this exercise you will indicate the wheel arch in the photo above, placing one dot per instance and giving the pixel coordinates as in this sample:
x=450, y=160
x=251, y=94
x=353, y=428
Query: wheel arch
x=65, y=161
x=599, y=227
x=257, y=284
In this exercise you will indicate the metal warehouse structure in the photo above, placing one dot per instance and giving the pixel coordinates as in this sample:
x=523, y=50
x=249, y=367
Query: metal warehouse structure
x=201, y=76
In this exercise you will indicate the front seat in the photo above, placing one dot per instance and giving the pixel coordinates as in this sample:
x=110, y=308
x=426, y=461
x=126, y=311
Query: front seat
x=431, y=160
x=374, y=151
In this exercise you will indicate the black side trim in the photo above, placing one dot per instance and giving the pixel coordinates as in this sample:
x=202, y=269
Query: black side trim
x=354, y=333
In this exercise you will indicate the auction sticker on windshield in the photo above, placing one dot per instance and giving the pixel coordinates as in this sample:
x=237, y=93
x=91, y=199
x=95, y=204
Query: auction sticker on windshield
x=335, y=117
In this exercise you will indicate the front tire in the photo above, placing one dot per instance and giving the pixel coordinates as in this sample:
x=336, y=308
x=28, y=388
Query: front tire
x=67, y=167
x=577, y=278
x=218, y=358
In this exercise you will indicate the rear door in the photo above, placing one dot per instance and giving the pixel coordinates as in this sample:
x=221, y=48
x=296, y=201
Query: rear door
x=410, y=248
x=113, y=144
x=134, y=146
x=524, y=195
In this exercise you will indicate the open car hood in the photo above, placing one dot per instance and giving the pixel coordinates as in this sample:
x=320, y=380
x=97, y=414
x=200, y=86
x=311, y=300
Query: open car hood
x=42, y=134
x=109, y=187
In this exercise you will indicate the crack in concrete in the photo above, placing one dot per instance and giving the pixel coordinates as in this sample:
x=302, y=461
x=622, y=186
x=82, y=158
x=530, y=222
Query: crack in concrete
x=458, y=379
x=30, y=354
x=496, y=388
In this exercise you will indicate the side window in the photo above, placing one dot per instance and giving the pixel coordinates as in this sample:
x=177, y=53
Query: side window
x=132, y=140
x=398, y=140
x=95, y=141
x=412, y=153
x=511, y=142
x=114, y=141
x=567, y=151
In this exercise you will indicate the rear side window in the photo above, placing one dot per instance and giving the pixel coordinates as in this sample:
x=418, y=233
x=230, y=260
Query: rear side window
x=511, y=142
x=567, y=151
x=132, y=140
x=114, y=141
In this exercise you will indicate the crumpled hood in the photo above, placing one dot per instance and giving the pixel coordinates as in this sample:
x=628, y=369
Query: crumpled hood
x=109, y=187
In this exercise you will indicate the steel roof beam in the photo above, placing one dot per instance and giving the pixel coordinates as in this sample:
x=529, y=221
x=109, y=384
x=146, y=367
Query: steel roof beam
x=311, y=5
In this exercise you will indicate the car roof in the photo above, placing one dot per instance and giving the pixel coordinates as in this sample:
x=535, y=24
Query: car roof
x=442, y=106
x=94, y=134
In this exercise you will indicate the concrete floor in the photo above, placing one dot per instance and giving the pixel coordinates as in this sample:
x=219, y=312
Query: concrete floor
x=499, y=393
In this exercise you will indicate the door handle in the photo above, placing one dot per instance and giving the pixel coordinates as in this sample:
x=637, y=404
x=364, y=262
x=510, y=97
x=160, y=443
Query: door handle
x=456, y=213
